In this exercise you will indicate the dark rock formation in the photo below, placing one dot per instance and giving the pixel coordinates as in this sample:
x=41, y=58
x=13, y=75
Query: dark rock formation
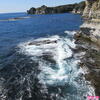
x=42, y=42
x=75, y=8
x=89, y=61
x=88, y=39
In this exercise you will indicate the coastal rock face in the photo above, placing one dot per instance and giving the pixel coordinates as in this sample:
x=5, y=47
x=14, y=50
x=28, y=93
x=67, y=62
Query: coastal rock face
x=90, y=61
x=92, y=14
x=92, y=9
x=75, y=8
x=88, y=40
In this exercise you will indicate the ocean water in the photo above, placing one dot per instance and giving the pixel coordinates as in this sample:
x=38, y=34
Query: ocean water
x=37, y=61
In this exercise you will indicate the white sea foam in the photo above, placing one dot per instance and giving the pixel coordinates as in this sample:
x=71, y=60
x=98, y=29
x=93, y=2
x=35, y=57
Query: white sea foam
x=70, y=32
x=65, y=70
x=60, y=51
x=36, y=50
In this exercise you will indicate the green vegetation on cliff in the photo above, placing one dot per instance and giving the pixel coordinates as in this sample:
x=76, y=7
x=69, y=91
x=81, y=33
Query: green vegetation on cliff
x=75, y=8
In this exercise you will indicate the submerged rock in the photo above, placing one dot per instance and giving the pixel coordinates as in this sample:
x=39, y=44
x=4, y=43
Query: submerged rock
x=42, y=42
x=88, y=41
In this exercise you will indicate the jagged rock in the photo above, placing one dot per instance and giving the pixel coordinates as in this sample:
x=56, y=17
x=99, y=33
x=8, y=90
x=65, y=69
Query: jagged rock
x=90, y=61
x=90, y=40
x=42, y=42
x=91, y=27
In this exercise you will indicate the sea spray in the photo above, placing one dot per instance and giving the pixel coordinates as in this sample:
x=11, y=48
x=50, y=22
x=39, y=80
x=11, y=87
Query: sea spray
x=60, y=66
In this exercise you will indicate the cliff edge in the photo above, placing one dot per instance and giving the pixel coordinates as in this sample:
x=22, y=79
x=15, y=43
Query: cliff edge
x=88, y=41
x=91, y=15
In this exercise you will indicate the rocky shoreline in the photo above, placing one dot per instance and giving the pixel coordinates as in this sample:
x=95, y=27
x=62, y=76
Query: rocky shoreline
x=90, y=60
x=88, y=41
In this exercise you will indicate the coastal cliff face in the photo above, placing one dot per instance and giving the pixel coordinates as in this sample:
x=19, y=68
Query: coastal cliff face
x=75, y=8
x=88, y=41
x=92, y=23
x=92, y=9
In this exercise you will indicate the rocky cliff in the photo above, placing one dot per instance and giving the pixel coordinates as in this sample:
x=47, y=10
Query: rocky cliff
x=92, y=22
x=75, y=8
x=88, y=41
x=92, y=9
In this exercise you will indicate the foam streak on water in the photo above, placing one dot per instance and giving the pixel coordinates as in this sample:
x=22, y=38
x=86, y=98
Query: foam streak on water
x=58, y=67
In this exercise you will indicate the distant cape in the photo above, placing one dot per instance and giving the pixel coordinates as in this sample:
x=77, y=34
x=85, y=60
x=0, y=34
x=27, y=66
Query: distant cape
x=75, y=8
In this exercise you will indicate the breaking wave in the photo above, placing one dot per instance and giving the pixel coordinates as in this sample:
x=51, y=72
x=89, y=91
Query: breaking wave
x=59, y=74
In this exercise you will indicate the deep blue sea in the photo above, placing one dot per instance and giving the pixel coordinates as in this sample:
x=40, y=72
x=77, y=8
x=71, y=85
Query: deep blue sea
x=37, y=61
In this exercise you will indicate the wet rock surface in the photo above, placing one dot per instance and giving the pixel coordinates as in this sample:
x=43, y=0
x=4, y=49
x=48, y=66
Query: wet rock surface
x=42, y=42
x=88, y=41
x=90, y=60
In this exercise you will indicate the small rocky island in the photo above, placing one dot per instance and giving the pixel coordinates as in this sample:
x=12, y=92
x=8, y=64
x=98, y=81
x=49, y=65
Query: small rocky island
x=75, y=8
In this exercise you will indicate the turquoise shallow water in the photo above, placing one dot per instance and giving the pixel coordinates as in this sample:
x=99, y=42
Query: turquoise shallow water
x=37, y=61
